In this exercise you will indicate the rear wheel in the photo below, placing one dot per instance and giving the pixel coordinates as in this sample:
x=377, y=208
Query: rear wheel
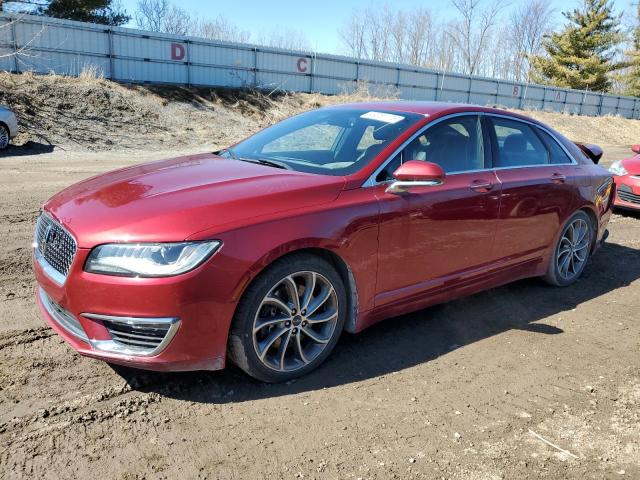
x=572, y=251
x=289, y=319
x=4, y=137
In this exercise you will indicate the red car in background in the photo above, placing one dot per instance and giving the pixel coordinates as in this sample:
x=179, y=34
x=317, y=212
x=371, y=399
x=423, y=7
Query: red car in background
x=626, y=175
x=331, y=220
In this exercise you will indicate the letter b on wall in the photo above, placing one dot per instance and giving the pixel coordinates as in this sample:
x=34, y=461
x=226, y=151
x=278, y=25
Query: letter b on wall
x=177, y=51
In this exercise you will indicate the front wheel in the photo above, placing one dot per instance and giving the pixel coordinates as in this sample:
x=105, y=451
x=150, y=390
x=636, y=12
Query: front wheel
x=289, y=319
x=572, y=251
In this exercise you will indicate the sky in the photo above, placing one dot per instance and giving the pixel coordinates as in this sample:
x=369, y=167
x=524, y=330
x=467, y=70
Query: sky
x=321, y=24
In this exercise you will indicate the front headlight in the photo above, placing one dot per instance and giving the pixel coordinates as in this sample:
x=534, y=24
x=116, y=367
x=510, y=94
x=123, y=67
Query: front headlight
x=149, y=259
x=617, y=169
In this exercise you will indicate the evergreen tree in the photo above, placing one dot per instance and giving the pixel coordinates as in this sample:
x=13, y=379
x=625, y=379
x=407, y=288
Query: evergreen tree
x=105, y=12
x=632, y=75
x=582, y=55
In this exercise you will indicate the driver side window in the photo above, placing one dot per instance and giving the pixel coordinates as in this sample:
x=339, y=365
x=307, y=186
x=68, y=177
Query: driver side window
x=456, y=144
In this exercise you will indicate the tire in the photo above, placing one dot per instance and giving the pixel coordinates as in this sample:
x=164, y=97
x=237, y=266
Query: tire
x=571, y=254
x=273, y=337
x=4, y=137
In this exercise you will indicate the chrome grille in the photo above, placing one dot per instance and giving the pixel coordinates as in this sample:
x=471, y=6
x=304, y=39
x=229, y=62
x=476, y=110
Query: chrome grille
x=136, y=336
x=55, y=248
x=628, y=196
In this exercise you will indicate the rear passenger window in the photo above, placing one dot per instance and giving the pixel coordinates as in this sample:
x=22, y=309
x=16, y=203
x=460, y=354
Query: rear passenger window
x=518, y=144
x=558, y=155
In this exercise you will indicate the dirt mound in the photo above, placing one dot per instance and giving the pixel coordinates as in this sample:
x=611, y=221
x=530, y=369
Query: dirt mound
x=97, y=114
x=90, y=113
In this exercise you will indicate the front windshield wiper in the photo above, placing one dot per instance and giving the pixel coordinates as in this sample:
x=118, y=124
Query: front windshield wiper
x=260, y=161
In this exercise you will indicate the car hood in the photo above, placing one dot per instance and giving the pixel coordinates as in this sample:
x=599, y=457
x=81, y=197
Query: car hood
x=171, y=200
x=632, y=165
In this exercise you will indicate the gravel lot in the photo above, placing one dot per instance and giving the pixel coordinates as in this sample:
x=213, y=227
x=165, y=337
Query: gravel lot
x=455, y=391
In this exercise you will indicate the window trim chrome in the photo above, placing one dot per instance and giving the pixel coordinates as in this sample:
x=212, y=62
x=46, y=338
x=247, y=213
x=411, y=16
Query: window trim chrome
x=57, y=277
x=59, y=315
x=371, y=181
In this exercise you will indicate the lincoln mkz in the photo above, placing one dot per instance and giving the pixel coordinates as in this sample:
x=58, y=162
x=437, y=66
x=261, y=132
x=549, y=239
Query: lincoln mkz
x=329, y=221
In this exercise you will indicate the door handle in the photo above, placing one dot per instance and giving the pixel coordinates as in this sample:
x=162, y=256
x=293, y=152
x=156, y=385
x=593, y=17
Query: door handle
x=558, y=178
x=481, y=186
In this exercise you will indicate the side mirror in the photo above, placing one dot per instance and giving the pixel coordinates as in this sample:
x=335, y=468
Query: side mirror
x=416, y=173
x=594, y=152
x=635, y=148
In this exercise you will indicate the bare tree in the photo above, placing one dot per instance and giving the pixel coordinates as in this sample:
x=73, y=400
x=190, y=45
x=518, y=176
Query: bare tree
x=471, y=32
x=420, y=38
x=178, y=21
x=163, y=16
x=529, y=23
x=398, y=22
x=220, y=29
x=379, y=26
x=151, y=14
x=287, y=38
x=353, y=35
x=385, y=34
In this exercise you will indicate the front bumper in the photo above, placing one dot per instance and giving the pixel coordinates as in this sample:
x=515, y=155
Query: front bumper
x=100, y=317
x=627, y=192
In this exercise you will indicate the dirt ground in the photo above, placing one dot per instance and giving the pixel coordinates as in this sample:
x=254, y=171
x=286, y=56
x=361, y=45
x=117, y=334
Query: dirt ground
x=465, y=390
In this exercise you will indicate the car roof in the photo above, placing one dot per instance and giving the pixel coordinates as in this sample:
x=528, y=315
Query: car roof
x=430, y=108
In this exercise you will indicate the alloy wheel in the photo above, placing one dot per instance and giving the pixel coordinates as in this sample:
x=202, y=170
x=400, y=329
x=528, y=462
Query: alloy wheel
x=4, y=138
x=295, y=321
x=573, y=249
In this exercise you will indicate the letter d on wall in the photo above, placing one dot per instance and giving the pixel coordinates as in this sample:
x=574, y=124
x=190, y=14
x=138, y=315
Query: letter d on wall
x=177, y=51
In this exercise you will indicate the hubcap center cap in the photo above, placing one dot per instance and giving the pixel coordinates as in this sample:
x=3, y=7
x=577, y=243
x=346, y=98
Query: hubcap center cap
x=297, y=320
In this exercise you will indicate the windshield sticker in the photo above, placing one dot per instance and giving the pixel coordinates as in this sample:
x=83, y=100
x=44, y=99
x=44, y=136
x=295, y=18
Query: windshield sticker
x=382, y=117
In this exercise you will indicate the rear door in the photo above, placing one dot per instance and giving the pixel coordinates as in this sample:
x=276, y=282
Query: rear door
x=537, y=188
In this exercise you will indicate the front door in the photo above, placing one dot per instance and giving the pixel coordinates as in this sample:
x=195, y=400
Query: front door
x=434, y=235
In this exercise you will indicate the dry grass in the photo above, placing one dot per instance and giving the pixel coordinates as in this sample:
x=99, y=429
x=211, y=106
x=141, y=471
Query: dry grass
x=91, y=113
x=91, y=72
x=605, y=130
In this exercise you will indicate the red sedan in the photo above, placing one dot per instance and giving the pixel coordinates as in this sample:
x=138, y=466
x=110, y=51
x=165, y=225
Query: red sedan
x=626, y=175
x=331, y=220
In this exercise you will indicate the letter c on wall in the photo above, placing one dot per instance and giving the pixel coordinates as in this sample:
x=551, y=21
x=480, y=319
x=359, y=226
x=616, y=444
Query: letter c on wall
x=302, y=65
x=177, y=51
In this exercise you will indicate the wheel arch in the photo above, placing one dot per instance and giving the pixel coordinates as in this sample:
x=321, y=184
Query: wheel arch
x=327, y=254
x=591, y=213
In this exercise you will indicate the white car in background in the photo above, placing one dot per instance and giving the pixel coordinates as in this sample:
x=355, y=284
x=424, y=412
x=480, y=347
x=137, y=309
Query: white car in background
x=8, y=126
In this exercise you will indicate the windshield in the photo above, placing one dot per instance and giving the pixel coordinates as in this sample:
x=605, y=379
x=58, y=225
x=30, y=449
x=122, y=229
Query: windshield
x=326, y=141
